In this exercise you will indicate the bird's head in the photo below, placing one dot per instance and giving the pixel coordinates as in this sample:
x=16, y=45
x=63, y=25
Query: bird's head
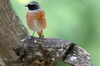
x=33, y=5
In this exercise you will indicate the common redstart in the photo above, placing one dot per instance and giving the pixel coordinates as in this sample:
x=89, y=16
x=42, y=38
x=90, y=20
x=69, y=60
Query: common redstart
x=36, y=19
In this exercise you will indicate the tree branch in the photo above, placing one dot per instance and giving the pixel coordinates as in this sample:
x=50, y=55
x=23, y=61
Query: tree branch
x=33, y=50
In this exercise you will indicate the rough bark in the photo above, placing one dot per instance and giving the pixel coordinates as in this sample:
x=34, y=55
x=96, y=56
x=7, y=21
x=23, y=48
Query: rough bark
x=11, y=30
x=33, y=50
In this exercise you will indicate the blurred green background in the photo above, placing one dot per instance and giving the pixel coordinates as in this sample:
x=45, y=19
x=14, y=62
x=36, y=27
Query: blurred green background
x=77, y=21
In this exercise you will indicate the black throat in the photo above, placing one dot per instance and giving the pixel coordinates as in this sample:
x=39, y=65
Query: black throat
x=33, y=7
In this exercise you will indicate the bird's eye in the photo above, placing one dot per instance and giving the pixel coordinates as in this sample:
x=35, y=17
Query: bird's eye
x=28, y=4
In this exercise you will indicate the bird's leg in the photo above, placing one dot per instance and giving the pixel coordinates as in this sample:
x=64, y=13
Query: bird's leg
x=33, y=33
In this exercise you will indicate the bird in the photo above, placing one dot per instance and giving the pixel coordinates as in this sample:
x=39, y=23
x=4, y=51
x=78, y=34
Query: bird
x=36, y=18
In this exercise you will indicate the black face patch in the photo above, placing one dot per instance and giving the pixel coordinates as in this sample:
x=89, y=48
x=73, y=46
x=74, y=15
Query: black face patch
x=33, y=7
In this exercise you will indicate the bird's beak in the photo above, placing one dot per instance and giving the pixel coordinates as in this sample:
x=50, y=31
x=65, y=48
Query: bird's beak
x=26, y=5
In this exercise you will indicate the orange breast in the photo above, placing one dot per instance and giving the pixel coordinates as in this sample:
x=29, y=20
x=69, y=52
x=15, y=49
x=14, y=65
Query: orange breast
x=36, y=19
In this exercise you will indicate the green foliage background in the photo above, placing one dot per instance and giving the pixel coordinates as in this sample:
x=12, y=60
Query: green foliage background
x=73, y=20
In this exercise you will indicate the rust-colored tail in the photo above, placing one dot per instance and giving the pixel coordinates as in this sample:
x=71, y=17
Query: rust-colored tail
x=40, y=34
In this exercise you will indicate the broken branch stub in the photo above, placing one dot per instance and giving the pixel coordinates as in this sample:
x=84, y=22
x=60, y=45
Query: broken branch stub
x=33, y=50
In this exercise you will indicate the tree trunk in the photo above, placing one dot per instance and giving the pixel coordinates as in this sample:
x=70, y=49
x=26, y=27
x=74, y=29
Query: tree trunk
x=11, y=30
